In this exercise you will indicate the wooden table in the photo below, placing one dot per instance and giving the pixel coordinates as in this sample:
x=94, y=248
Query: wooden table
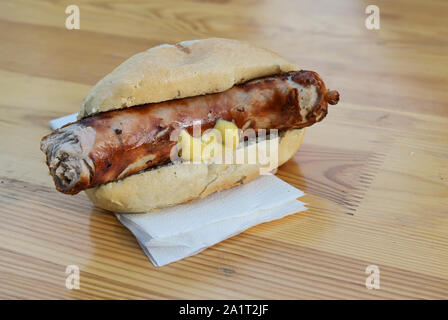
x=375, y=171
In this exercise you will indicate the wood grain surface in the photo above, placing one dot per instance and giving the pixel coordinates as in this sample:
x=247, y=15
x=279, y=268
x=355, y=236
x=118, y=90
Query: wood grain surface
x=375, y=171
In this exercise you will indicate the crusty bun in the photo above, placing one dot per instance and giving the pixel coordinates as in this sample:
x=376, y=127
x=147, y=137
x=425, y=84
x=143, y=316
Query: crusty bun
x=185, y=69
x=178, y=183
x=167, y=72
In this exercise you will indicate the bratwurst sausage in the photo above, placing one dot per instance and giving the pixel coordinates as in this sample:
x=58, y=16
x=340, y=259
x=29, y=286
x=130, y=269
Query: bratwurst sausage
x=113, y=145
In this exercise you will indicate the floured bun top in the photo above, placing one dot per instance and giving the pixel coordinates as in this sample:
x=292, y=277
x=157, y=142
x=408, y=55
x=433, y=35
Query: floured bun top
x=185, y=69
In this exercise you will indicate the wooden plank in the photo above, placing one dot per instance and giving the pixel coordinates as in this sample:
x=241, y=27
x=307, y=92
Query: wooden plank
x=375, y=172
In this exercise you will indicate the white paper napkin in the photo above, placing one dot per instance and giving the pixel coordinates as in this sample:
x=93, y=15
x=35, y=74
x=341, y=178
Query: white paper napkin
x=178, y=232
x=59, y=122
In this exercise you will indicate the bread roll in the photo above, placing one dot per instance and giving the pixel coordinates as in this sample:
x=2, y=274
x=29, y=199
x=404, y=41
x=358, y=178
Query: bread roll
x=185, y=69
x=167, y=72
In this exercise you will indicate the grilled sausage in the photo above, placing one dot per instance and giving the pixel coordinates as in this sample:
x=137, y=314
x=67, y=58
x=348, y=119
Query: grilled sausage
x=112, y=145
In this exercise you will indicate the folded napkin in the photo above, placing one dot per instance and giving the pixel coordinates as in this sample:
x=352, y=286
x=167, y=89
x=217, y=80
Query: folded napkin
x=62, y=121
x=174, y=233
x=177, y=232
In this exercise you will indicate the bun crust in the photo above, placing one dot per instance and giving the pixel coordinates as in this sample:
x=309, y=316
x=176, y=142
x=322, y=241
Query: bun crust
x=185, y=69
x=178, y=183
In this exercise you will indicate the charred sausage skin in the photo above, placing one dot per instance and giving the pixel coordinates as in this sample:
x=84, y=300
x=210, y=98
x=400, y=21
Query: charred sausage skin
x=112, y=145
